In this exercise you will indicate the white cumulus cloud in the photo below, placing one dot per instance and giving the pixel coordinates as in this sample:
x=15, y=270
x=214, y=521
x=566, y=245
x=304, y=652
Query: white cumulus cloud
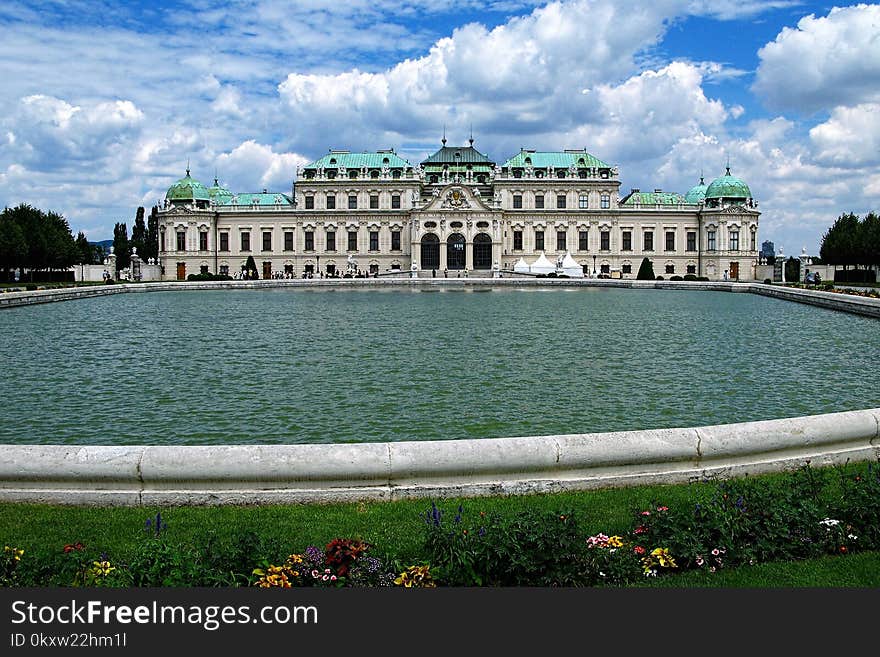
x=850, y=137
x=823, y=62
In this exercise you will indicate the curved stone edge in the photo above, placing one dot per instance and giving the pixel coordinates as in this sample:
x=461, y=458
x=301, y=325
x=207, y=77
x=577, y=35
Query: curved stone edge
x=835, y=301
x=285, y=474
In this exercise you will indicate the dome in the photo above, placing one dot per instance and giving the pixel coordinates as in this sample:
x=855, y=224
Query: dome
x=219, y=194
x=728, y=186
x=697, y=193
x=188, y=189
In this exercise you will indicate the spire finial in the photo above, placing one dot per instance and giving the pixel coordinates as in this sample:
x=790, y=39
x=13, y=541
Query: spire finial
x=187, y=166
x=728, y=164
x=216, y=183
x=443, y=141
x=472, y=135
x=701, y=176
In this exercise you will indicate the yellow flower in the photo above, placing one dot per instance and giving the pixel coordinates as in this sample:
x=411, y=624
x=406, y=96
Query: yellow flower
x=273, y=576
x=615, y=541
x=663, y=556
x=15, y=553
x=101, y=568
x=294, y=558
x=416, y=577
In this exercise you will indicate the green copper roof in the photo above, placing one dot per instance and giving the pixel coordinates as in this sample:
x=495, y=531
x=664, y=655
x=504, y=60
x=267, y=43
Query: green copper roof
x=268, y=199
x=453, y=155
x=187, y=189
x=555, y=159
x=652, y=198
x=372, y=160
x=697, y=193
x=728, y=186
x=219, y=194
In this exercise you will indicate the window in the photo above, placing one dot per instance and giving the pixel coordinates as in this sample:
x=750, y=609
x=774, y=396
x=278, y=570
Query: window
x=670, y=269
x=331, y=240
x=560, y=240
x=605, y=269
x=374, y=240
x=181, y=240
x=710, y=240
x=374, y=268
x=626, y=241
x=754, y=242
x=605, y=201
x=352, y=240
x=310, y=202
x=539, y=201
x=203, y=240
x=224, y=270
x=245, y=240
x=267, y=240
x=583, y=240
x=224, y=241
x=374, y=202
x=395, y=240
x=352, y=202
x=626, y=269
x=649, y=240
x=162, y=239
x=331, y=269
x=560, y=201
x=539, y=240
x=517, y=201
x=395, y=204
x=331, y=201
x=517, y=240
x=691, y=241
x=288, y=240
x=203, y=269
x=583, y=202
x=734, y=240
x=605, y=241
x=670, y=240
x=691, y=269
x=310, y=240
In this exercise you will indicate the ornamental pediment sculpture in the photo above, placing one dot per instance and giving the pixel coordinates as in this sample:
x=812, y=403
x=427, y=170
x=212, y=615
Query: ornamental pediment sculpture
x=455, y=199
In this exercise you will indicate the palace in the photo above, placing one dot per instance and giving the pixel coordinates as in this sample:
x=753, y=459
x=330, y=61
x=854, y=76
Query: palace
x=460, y=213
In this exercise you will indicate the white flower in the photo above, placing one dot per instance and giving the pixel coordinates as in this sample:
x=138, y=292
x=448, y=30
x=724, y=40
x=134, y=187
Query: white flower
x=829, y=522
x=852, y=537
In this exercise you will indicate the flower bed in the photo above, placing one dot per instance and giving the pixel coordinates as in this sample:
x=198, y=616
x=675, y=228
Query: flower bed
x=805, y=514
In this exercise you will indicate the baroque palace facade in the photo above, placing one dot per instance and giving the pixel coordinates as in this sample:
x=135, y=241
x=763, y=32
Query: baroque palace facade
x=458, y=213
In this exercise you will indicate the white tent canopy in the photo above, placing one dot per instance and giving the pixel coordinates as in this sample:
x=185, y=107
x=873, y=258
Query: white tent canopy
x=521, y=266
x=542, y=265
x=571, y=268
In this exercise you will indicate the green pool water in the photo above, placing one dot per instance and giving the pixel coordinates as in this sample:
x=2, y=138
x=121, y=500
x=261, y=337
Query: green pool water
x=320, y=366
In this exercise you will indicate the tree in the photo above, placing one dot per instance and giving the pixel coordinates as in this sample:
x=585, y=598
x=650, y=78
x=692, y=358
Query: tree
x=869, y=240
x=151, y=248
x=13, y=248
x=42, y=241
x=251, y=268
x=85, y=252
x=138, y=241
x=646, y=271
x=121, y=246
x=839, y=242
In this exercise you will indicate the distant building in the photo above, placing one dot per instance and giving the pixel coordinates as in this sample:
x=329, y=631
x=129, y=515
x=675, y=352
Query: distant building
x=459, y=211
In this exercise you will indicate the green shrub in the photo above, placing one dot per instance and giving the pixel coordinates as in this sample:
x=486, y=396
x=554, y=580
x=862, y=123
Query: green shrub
x=659, y=278
x=646, y=271
x=767, y=281
x=676, y=278
x=690, y=277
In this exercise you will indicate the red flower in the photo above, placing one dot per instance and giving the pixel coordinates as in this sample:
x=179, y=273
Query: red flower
x=638, y=549
x=663, y=508
x=70, y=547
x=843, y=549
x=646, y=513
x=641, y=529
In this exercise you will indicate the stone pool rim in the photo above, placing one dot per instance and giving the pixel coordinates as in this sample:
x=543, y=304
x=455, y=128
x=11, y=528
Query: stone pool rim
x=353, y=472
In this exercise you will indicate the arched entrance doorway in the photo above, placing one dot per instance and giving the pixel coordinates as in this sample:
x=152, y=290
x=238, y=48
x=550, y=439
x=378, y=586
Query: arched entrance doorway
x=430, y=251
x=482, y=251
x=455, y=251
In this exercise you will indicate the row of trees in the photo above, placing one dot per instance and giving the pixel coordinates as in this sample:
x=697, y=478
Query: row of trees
x=42, y=244
x=852, y=241
x=144, y=238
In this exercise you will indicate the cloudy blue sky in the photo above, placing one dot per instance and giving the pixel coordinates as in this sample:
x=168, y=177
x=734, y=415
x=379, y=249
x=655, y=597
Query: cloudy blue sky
x=103, y=103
